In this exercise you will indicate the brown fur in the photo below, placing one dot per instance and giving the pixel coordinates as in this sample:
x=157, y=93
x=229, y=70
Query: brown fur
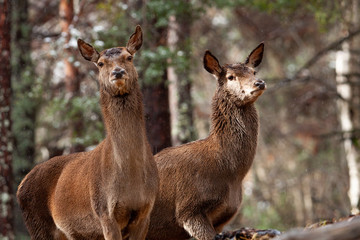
x=200, y=182
x=107, y=193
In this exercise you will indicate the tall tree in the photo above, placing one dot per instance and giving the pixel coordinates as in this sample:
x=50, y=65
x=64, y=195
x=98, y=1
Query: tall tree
x=155, y=87
x=179, y=41
x=348, y=88
x=66, y=12
x=156, y=101
x=72, y=82
x=25, y=101
x=6, y=177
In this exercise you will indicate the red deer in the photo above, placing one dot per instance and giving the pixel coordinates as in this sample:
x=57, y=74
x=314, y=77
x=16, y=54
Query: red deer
x=200, y=182
x=109, y=192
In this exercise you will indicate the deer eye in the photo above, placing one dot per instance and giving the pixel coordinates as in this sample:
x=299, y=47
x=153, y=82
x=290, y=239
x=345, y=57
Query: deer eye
x=129, y=58
x=231, y=77
x=100, y=64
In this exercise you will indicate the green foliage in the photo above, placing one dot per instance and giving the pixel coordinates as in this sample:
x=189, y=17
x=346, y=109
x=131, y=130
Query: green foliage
x=27, y=92
x=161, y=10
x=152, y=61
x=225, y=3
x=152, y=64
x=325, y=12
x=261, y=214
x=114, y=9
x=61, y=111
x=21, y=236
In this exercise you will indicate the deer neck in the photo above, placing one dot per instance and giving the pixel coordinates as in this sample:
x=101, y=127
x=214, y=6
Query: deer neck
x=235, y=130
x=124, y=122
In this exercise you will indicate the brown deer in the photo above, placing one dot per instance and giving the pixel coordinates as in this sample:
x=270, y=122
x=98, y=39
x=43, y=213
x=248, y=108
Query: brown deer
x=200, y=182
x=109, y=192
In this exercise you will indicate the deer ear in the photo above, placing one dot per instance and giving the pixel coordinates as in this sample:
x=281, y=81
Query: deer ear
x=255, y=57
x=88, y=51
x=211, y=64
x=135, y=40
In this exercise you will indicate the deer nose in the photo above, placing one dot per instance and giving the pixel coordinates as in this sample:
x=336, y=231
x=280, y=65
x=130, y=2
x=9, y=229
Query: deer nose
x=260, y=84
x=118, y=72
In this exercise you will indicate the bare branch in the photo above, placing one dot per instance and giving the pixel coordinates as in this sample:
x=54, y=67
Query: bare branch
x=298, y=75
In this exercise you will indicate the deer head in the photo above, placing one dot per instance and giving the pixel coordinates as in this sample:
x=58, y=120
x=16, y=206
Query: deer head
x=238, y=81
x=117, y=74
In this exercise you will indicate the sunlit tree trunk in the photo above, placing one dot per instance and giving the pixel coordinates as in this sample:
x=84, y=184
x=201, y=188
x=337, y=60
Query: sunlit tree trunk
x=179, y=76
x=6, y=177
x=354, y=80
x=72, y=82
x=173, y=82
x=66, y=13
x=348, y=80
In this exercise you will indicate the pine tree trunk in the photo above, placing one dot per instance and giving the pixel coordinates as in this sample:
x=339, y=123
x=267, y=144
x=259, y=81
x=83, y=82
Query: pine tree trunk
x=155, y=91
x=6, y=177
x=157, y=114
x=156, y=102
x=72, y=82
x=25, y=104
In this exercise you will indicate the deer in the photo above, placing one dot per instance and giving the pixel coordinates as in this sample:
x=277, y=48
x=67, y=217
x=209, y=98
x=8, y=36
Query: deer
x=200, y=182
x=109, y=192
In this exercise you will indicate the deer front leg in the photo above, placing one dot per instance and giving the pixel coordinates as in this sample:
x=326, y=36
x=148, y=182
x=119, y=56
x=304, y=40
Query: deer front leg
x=139, y=231
x=139, y=224
x=199, y=227
x=110, y=228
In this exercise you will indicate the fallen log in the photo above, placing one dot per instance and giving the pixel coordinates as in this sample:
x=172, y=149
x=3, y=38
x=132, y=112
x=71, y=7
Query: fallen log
x=345, y=230
x=342, y=229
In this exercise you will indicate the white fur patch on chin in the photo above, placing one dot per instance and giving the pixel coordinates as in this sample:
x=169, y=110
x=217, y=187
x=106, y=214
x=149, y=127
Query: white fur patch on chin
x=190, y=226
x=199, y=228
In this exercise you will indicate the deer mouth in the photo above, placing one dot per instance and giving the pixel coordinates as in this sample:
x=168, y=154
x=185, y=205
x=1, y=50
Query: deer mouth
x=117, y=80
x=260, y=88
x=257, y=90
x=119, y=83
x=120, y=86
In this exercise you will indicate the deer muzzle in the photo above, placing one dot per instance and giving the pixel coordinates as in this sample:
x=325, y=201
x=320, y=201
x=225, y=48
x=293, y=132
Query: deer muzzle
x=260, y=84
x=118, y=73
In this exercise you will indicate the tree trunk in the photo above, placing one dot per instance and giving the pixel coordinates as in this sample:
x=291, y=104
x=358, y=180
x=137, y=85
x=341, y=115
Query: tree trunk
x=155, y=91
x=345, y=230
x=156, y=101
x=66, y=12
x=179, y=77
x=6, y=177
x=354, y=81
x=72, y=82
x=25, y=101
x=348, y=79
x=157, y=114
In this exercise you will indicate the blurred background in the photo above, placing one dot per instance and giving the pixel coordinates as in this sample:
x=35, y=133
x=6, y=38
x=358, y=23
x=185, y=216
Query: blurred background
x=307, y=164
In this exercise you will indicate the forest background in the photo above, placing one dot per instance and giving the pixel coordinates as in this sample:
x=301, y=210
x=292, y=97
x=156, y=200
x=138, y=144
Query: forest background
x=307, y=163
